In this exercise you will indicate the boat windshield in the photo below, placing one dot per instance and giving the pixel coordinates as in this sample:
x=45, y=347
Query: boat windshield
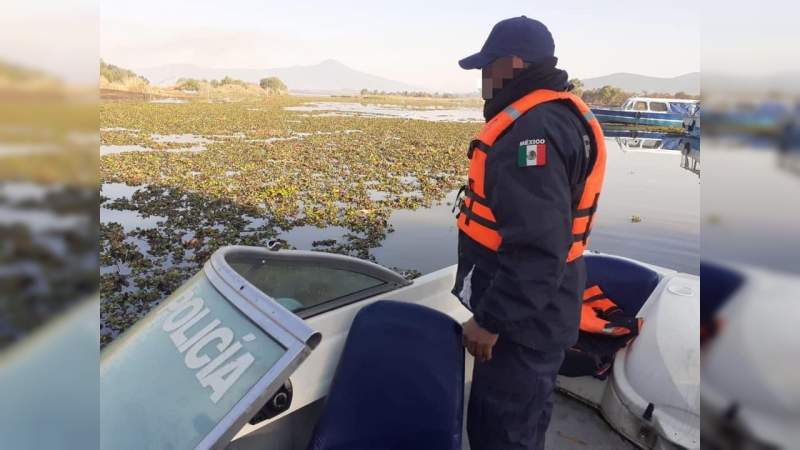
x=307, y=283
x=683, y=108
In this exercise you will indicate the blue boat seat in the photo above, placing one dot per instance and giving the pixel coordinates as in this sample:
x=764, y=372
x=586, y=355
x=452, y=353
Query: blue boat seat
x=718, y=286
x=627, y=283
x=399, y=384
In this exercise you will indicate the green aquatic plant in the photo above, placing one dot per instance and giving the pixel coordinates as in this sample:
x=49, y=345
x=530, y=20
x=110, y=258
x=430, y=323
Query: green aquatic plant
x=264, y=172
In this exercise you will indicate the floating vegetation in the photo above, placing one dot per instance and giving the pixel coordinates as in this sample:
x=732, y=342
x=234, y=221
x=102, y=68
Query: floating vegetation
x=264, y=171
x=48, y=211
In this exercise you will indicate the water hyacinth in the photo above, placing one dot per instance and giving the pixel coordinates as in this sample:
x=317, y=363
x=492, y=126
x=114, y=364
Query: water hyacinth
x=259, y=172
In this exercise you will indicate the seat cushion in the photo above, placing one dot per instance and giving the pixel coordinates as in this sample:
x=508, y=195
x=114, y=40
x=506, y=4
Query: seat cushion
x=399, y=384
x=626, y=283
x=719, y=284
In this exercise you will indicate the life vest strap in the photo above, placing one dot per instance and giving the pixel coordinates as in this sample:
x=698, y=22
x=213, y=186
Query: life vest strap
x=476, y=143
x=470, y=215
x=472, y=195
x=581, y=236
x=594, y=298
x=586, y=212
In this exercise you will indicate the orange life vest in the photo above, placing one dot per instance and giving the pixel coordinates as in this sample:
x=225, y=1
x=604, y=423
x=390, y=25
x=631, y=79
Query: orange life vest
x=596, y=307
x=476, y=219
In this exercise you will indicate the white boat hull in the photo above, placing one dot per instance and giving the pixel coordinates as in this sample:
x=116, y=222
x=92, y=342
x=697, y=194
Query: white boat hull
x=652, y=371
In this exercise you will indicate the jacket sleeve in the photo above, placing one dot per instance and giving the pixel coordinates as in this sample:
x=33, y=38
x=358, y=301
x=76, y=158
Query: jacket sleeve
x=532, y=206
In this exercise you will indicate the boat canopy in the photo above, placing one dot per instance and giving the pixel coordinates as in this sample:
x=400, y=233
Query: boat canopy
x=680, y=106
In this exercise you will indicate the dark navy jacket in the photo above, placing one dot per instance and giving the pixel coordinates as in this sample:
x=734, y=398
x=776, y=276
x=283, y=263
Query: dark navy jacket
x=526, y=292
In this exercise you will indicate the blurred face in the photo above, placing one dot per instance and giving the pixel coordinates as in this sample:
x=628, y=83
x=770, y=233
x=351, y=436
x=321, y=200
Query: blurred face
x=498, y=72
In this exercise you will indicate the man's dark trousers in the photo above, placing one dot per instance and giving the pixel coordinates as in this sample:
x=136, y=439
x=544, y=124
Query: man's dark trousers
x=512, y=398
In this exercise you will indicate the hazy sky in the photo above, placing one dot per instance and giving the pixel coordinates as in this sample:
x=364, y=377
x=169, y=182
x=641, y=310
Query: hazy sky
x=418, y=42
x=412, y=41
x=57, y=36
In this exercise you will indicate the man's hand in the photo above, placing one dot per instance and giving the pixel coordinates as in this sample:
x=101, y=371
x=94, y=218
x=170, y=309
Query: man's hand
x=478, y=341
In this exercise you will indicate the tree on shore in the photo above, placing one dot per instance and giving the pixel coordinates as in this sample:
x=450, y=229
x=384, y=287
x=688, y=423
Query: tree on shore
x=231, y=81
x=116, y=74
x=188, y=84
x=577, y=86
x=606, y=95
x=273, y=84
x=614, y=96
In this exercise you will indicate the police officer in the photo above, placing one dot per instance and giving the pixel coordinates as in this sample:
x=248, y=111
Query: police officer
x=536, y=170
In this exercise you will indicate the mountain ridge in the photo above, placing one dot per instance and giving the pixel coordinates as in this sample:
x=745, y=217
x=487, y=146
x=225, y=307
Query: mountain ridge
x=632, y=82
x=333, y=77
x=326, y=76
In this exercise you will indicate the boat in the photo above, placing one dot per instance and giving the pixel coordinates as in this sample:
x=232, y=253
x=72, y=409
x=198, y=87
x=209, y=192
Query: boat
x=657, y=112
x=750, y=391
x=646, y=141
x=275, y=349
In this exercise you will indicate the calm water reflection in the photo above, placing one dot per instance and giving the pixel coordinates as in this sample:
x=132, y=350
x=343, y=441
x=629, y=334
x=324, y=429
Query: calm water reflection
x=651, y=186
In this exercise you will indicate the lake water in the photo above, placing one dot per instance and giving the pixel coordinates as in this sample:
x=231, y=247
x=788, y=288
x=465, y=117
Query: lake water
x=749, y=213
x=436, y=114
x=665, y=196
x=650, y=186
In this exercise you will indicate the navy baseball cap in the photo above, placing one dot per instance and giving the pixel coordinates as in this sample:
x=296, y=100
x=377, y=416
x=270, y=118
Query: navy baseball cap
x=519, y=36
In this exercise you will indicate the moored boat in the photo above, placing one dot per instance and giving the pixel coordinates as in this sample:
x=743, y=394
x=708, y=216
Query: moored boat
x=646, y=141
x=657, y=112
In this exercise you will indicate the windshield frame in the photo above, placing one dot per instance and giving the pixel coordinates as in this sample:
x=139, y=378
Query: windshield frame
x=390, y=280
x=287, y=329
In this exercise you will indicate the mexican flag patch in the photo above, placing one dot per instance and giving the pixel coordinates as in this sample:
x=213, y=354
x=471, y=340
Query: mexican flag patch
x=532, y=152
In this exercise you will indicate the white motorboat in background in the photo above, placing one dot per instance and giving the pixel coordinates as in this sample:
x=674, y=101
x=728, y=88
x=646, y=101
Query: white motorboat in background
x=658, y=112
x=257, y=337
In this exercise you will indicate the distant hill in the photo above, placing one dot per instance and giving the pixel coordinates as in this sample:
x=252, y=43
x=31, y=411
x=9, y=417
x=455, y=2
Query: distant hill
x=631, y=82
x=775, y=84
x=329, y=76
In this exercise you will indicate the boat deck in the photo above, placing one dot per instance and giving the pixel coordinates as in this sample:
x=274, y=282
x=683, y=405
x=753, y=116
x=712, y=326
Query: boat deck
x=575, y=426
